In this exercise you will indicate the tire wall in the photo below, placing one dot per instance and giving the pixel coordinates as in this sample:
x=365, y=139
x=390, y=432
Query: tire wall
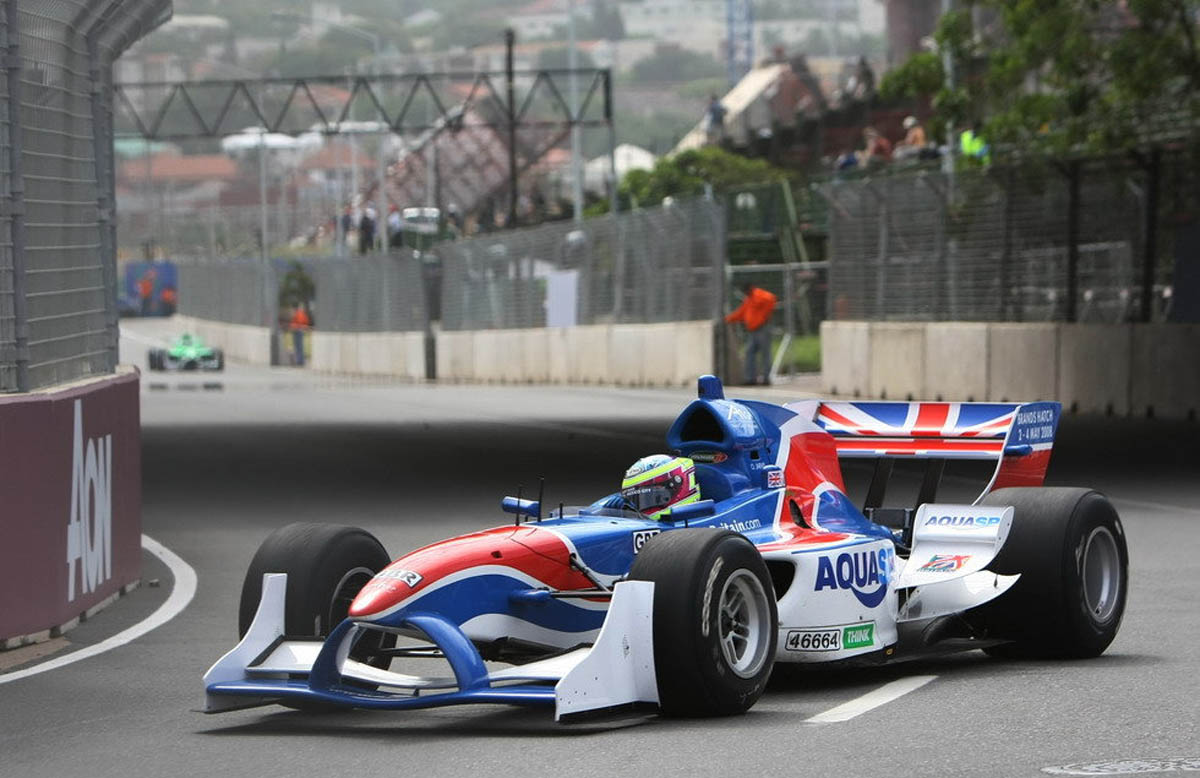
x=1137, y=369
x=70, y=503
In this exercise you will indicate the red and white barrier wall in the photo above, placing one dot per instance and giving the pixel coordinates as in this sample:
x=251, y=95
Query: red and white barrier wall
x=70, y=503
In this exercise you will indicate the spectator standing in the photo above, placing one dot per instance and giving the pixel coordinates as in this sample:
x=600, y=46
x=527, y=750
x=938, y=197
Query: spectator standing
x=145, y=288
x=395, y=227
x=347, y=225
x=754, y=313
x=714, y=118
x=366, y=230
x=300, y=323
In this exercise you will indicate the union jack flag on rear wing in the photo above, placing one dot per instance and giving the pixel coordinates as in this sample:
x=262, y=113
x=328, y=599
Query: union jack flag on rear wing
x=1017, y=436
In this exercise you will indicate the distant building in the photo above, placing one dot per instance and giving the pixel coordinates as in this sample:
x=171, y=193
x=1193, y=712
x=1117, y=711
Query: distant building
x=540, y=19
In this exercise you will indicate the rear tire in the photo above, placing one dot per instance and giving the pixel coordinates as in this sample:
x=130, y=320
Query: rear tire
x=1069, y=548
x=154, y=358
x=220, y=355
x=715, y=621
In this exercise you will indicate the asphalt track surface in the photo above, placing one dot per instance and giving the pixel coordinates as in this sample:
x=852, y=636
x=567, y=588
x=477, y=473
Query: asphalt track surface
x=415, y=464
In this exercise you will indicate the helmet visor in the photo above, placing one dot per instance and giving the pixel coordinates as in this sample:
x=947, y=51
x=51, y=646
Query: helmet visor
x=648, y=498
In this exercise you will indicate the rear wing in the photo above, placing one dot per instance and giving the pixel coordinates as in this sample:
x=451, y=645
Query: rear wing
x=1017, y=436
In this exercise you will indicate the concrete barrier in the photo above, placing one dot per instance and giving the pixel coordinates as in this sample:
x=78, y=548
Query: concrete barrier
x=1165, y=370
x=845, y=357
x=956, y=361
x=400, y=354
x=1094, y=361
x=71, y=502
x=1091, y=368
x=896, y=358
x=1022, y=362
x=240, y=342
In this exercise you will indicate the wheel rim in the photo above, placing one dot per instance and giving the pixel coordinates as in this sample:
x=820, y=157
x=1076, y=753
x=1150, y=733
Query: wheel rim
x=744, y=623
x=345, y=592
x=1101, y=574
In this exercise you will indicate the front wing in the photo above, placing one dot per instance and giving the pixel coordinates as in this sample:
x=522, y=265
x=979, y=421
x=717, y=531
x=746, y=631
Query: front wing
x=267, y=667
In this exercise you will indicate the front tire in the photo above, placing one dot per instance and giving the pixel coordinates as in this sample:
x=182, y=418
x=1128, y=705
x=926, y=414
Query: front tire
x=1069, y=548
x=326, y=566
x=220, y=357
x=715, y=620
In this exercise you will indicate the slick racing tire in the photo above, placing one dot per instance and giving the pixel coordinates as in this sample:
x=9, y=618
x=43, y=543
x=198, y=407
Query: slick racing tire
x=1068, y=546
x=220, y=357
x=154, y=359
x=326, y=566
x=715, y=621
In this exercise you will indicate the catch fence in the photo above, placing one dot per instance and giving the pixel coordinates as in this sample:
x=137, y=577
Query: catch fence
x=58, y=315
x=1087, y=241
x=650, y=265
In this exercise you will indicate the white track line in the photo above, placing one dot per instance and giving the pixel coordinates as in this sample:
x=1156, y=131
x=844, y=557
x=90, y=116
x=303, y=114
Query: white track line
x=181, y=594
x=871, y=700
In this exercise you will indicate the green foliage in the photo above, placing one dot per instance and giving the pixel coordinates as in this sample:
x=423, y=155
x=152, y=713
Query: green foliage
x=1064, y=75
x=685, y=174
x=675, y=64
x=296, y=288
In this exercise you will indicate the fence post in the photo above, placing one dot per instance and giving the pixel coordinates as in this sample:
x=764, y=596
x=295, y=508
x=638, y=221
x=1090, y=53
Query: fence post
x=1072, y=238
x=1150, y=234
x=1006, y=247
x=12, y=63
x=102, y=153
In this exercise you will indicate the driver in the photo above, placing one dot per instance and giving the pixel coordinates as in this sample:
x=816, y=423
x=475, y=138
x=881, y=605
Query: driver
x=657, y=483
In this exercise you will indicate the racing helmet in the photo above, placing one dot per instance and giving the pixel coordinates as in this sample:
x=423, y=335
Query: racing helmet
x=659, y=482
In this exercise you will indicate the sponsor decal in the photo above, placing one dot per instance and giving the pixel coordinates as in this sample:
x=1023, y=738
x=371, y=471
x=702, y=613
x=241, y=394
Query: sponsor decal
x=945, y=563
x=774, y=479
x=859, y=635
x=741, y=526
x=409, y=577
x=864, y=573
x=963, y=522
x=641, y=537
x=846, y=637
x=708, y=457
x=89, y=529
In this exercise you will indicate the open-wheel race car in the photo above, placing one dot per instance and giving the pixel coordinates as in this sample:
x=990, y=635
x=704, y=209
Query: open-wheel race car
x=187, y=352
x=738, y=551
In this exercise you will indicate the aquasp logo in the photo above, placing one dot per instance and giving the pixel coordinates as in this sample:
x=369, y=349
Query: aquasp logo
x=865, y=573
x=963, y=522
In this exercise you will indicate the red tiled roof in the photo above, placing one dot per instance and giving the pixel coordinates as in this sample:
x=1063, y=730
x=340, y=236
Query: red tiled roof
x=177, y=167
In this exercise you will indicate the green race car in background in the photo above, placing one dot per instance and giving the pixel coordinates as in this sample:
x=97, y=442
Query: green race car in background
x=188, y=352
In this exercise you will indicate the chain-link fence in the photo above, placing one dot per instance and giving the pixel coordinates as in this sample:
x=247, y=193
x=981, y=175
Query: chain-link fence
x=376, y=293
x=58, y=318
x=649, y=265
x=1041, y=242
x=237, y=291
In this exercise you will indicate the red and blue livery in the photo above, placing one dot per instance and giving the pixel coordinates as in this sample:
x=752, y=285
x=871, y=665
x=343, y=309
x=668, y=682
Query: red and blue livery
x=601, y=607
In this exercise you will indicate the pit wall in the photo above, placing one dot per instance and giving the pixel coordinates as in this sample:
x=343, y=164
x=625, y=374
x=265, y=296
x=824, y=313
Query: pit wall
x=665, y=354
x=70, y=504
x=1142, y=369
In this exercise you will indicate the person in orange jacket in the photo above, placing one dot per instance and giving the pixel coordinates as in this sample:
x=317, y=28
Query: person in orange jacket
x=299, y=324
x=754, y=313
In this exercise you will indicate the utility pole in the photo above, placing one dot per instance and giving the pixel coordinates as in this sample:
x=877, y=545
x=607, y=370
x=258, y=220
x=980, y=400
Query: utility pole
x=576, y=145
x=509, y=39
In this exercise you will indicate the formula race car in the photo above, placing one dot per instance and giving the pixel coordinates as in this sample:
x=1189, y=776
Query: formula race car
x=680, y=592
x=188, y=352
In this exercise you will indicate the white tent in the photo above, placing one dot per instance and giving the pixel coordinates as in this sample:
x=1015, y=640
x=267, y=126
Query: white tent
x=628, y=157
